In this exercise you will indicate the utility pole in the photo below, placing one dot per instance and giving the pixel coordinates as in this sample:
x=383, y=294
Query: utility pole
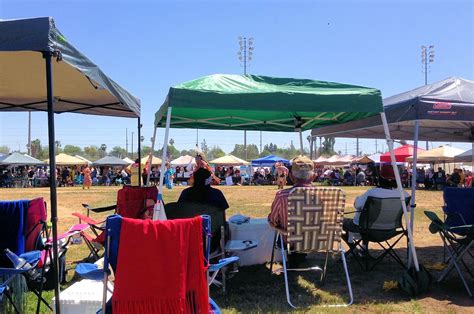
x=427, y=57
x=357, y=146
x=245, y=54
x=376, y=150
x=126, y=141
x=132, y=146
x=197, y=137
x=29, y=133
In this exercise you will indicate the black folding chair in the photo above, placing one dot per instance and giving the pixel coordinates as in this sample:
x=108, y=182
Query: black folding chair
x=380, y=221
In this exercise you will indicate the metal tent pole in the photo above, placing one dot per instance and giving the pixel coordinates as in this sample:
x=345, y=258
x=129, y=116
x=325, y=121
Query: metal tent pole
x=150, y=156
x=52, y=176
x=301, y=141
x=400, y=190
x=413, y=181
x=472, y=161
x=162, y=168
x=139, y=148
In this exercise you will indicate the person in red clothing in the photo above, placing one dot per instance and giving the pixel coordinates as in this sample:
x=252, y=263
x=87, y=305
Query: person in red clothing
x=301, y=174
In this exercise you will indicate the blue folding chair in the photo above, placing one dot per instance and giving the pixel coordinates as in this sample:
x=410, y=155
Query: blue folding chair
x=113, y=228
x=458, y=206
x=8, y=274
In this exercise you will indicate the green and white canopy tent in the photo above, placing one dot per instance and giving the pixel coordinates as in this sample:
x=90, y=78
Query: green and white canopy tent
x=262, y=103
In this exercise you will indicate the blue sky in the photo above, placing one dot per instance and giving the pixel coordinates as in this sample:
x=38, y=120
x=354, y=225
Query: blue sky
x=148, y=46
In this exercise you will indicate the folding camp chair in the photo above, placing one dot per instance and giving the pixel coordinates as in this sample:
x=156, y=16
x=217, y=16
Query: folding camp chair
x=314, y=225
x=458, y=206
x=8, y=275
x=131, y=203
x=113, y=227
x=21, y=226
x=220, y=246
x=457, y=240
x=380, y=221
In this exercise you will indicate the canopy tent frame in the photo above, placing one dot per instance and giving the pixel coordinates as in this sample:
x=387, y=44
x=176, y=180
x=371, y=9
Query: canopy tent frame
x=40, y=35
x=441, y=111
x=298, y=128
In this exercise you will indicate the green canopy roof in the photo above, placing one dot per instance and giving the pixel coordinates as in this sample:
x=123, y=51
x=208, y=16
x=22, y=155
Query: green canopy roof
x=251, y=102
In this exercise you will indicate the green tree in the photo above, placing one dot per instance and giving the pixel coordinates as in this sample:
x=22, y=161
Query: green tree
x=190, y=152
x=239, y=151
x=57, y=145
x=91, y=152
x=204, y=147
x=70, y=149
x=4, y=149
x=215, y=152
x=103, y=150
x=119, y=152
x=327, y=148
x=35, y=148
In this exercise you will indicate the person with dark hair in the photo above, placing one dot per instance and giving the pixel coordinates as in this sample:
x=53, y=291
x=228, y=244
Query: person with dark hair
x=202, y=192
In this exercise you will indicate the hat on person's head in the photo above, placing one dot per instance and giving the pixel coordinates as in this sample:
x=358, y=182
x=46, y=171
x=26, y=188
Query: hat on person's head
x=302, y=169
x=302, y=163
x=386, y=172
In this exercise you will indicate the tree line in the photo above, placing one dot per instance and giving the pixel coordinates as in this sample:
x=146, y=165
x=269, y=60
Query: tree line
x=94, y=152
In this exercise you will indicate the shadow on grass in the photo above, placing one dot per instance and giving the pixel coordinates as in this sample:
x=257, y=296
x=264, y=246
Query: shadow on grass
x=255, y=289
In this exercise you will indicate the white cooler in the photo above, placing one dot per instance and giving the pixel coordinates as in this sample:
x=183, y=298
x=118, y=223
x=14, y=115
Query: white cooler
x=83, y=297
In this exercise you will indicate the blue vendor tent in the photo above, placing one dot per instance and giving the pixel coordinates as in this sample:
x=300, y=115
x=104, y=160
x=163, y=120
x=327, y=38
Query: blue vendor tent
x=269, y=161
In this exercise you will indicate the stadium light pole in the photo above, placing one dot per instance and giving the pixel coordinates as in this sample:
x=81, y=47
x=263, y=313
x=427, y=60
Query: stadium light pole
x=427, y=57
x=245, y=55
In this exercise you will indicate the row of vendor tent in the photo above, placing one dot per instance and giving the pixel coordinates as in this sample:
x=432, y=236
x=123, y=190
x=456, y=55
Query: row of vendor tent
x=441, y=154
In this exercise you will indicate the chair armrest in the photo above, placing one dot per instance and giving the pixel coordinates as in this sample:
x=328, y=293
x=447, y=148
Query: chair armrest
x=355, y=211
x=103, y=209
x=86, y=219
x=223, y=262
x=31, y=257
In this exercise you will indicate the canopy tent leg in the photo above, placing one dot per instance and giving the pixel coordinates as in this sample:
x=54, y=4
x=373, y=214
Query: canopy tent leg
x=139, y=150
x=150, y=156
x=301, y=141
x=413, y=181
x=162, y=168
x=52, y=177
x=311, y=148
x=400, y=190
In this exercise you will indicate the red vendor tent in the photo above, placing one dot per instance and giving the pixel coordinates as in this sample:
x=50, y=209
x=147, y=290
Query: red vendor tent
x=401, y=153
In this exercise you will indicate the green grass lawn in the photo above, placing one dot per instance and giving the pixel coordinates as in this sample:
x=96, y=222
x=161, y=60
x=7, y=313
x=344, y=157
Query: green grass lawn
x=253, y=289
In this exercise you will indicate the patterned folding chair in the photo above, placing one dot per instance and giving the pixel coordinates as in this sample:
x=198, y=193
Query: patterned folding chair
x=314, y=225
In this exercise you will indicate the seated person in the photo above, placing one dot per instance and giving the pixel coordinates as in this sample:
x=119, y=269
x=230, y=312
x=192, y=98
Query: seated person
x=302, y=174
x=454, y=179
x=387, y=188
x=439, y=178
x=202, y=192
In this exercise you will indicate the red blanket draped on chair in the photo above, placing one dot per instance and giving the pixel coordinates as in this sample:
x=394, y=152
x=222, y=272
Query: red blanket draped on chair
x=160, y=267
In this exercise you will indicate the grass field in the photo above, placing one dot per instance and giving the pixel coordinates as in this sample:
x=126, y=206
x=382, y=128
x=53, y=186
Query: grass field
x=253, y=289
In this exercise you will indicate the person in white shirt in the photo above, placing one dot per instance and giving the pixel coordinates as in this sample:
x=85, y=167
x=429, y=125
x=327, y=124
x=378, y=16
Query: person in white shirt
x=387, y=188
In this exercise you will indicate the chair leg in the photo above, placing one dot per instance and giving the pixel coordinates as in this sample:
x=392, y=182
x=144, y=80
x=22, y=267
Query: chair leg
x=273, y=251
x=454, y=264
x=8, y=293
x=285, y=273
x=323, y=274
x=348, y=278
